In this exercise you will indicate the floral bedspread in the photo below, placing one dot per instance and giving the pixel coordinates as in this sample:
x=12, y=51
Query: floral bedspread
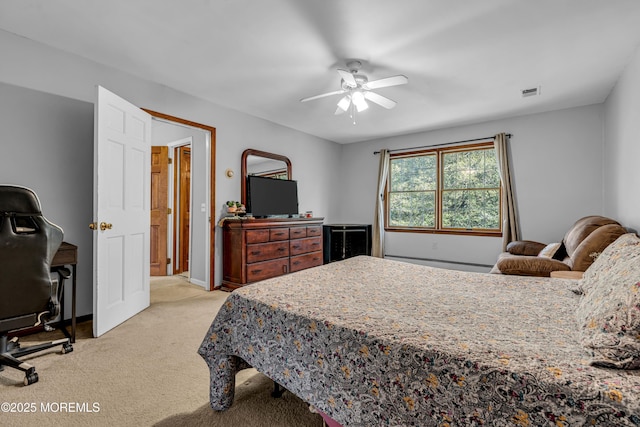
x=374, y=342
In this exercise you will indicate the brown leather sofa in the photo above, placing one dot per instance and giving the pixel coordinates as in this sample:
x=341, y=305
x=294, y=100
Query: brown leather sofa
x=582, y=244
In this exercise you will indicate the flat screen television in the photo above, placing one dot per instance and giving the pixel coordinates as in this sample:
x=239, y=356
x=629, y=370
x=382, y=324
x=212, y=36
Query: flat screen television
x=271, y=197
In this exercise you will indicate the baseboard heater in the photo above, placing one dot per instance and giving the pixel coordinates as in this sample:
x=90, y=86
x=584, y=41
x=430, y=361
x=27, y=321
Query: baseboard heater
x=444, y=261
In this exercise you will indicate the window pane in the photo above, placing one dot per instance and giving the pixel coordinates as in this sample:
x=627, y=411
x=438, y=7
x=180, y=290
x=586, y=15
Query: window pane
x=470, y=169
x=471, y=209
x=414, y=209
x=413, y=173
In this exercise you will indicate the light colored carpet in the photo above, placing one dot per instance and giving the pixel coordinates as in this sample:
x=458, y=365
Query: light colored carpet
x=144, y=372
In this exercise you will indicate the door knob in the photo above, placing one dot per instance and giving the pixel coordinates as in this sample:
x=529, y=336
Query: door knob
x=93, y=225
x=105, y=226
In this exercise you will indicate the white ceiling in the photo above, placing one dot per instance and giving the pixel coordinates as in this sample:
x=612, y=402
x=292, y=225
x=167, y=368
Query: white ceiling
x=466, y=60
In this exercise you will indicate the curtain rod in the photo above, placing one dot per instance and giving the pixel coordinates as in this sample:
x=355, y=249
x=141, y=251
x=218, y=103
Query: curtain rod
x=443, y=144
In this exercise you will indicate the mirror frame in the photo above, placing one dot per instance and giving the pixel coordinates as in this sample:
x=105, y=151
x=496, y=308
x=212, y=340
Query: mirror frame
x=244, y=171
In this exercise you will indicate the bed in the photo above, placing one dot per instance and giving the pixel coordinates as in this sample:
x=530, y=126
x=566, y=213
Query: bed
x=373, y=342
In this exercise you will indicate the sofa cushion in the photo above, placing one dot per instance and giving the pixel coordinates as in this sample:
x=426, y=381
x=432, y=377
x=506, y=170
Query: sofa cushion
x=590, y=248
x=609, y=310
x=523, y=265
x=581, y=229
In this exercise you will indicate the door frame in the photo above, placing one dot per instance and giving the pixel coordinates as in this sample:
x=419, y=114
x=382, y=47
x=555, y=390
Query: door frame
x=211, y=167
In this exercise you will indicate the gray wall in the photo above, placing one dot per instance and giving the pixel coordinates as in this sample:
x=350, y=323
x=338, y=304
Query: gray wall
x=35, y=66
x=557, y=174
x=622, y=147
x=47, y=145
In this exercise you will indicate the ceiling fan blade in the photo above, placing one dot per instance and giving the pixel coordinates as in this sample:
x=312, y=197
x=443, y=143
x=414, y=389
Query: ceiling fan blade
x=380, y=100
x=388, y=81
x=311, y=98
x=348, y=77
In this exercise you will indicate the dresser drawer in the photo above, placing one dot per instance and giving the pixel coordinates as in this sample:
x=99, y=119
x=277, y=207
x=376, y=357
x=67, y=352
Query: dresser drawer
x=276, y=234
x=300, y=262
x=267, y=269
x=298, y=232
x=266, y=251
x=313, y=231
x=303, y=246
x=257, y=236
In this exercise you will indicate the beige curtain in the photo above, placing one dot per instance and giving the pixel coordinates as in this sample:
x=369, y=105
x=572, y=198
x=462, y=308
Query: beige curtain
x=510, y=227
x=377, y=244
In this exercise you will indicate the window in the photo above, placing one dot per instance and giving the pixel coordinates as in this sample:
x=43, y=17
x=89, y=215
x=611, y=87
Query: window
x=454, y=190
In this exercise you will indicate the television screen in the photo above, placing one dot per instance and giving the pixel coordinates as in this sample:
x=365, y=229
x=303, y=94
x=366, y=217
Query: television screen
x=270, y=196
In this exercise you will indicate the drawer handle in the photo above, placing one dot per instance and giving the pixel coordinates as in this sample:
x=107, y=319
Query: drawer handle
x=296, y=262
x=296, y=246
x=256, y=253
x=256, y=271
x=279, y=234
x=282, y=249
x=315, y=244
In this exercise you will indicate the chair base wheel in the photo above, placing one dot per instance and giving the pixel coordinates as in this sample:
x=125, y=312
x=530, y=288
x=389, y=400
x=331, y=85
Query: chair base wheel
x=67, y=348
x=31, y=378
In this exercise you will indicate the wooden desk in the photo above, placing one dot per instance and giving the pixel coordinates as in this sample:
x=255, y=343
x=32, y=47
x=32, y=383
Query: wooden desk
x=68, y=255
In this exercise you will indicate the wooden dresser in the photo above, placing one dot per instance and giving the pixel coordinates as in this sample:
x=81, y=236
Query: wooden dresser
x=258, y=249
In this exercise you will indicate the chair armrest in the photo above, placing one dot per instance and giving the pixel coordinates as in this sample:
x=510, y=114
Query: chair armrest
x=530, y=266
x=525, y=247
x=56, y=290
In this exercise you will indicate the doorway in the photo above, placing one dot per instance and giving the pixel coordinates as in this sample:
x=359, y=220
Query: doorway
x=191, y=208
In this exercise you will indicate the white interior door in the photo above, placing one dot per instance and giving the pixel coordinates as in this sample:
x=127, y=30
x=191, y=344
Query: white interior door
x=122, y=160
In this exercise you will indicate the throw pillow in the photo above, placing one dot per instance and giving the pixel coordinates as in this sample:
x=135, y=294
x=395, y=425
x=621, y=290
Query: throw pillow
x=609, y=310
x=549, y=250
x=561, y=253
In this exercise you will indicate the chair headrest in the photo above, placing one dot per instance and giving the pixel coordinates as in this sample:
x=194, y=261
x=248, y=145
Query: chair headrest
x=19, y=200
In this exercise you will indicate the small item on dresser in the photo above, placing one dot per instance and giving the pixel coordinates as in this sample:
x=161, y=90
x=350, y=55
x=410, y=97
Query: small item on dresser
x=235, y=207
x=309, y=214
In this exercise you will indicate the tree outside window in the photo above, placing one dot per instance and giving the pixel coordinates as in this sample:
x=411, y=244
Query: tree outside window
x=445, y=190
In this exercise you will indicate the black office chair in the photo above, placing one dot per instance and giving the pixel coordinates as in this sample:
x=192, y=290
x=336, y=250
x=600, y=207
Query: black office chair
x=28, y=295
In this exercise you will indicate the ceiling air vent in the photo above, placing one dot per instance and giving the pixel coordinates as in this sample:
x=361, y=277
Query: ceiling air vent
x=531, y=92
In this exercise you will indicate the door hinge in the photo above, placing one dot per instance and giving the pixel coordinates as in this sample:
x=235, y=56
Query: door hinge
x=168, y=260
x=170, y=160
x=168, y=211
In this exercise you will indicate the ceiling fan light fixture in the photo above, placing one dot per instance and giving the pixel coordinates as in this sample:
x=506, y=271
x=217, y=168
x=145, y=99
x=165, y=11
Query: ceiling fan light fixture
x=359, y=101
x=344, y=103
x=356, y=90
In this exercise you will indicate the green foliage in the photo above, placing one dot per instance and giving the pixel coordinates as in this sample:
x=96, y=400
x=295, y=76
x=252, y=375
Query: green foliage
x=470, y=190
x=413, y=209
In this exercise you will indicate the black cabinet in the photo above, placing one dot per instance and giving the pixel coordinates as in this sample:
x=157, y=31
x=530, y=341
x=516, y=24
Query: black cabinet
x=342, y=241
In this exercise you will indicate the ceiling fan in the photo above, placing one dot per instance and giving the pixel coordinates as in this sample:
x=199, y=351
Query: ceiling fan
x=357, y=90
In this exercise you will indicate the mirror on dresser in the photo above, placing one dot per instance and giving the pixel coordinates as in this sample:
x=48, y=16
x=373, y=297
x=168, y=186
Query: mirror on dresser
x=262, y=163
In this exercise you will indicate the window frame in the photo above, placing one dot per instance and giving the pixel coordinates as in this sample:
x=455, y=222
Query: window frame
x=438, y=229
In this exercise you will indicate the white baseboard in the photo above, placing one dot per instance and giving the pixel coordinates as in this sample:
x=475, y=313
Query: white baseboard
x=197, y=282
